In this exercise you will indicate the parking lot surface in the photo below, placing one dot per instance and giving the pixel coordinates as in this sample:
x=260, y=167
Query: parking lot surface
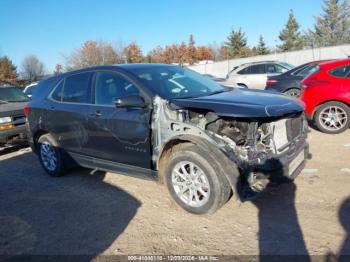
x=95, y=213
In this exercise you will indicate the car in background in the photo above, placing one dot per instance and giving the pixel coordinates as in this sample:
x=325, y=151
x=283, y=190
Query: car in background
x=289, y=82
x=215, y=78
x=12, y=120
x=29, y=89
x=159, y=122
x=254, y=75
x=326, y=95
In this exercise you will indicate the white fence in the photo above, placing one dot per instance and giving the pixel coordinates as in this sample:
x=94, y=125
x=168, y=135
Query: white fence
x=220, y=69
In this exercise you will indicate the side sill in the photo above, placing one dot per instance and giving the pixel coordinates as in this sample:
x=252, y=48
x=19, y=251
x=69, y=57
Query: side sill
x=114, y=167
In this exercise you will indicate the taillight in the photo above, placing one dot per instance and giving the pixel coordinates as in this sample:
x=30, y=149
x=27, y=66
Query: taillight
x=271, y=82
x=26, y=110
x=314, y=83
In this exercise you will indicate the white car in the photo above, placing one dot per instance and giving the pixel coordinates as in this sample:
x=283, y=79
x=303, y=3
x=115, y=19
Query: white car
x=28, y=90
x=254, y=75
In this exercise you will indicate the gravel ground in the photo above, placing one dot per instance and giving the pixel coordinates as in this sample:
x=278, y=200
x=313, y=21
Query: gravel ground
x=104, y=213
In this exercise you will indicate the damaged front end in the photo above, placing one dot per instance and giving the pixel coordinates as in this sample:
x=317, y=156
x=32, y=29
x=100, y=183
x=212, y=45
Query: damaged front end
x=263, y=148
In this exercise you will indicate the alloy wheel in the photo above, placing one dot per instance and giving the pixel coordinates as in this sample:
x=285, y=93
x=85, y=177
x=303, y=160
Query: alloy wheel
x=48, y=156
x=333, y=118
x=190, y=184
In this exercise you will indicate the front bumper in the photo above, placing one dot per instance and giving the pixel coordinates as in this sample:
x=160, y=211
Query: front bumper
x=281, y=166
x=15, y=135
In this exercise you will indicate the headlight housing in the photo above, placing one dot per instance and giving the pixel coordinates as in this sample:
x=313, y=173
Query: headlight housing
x=5, y=123
x=5, y=120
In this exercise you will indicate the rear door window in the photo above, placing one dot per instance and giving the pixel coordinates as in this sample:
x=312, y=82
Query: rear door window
x=77, y=89
x=258, y=69
x=341, y=71
x=57, y=93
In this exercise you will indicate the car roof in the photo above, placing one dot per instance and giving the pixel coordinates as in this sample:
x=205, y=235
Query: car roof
x=334, y=63
x=8, y=86
x=260, y=62
x=125, y=67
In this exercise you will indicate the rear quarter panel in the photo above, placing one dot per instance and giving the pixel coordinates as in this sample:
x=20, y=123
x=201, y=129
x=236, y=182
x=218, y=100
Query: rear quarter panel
x=328, y=88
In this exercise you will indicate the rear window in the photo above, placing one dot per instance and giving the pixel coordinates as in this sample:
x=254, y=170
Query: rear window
x=308, y=70
x=77, y=89
x=341, y=71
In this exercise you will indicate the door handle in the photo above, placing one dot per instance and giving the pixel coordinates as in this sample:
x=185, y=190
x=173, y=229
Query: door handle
x=96, y=114
x=52, y=108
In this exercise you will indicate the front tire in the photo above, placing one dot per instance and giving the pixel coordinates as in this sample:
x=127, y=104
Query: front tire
x=195, y=181
x=50, y=156
x=332, y=117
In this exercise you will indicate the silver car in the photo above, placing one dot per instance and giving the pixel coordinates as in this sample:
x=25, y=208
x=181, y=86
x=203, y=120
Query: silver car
x=254, y=75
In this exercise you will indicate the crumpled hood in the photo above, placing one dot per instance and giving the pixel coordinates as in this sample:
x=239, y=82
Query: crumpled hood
x=244, y=103
x=12, y=109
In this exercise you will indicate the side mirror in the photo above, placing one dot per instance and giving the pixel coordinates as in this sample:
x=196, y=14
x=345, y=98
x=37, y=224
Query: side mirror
x=130, y=101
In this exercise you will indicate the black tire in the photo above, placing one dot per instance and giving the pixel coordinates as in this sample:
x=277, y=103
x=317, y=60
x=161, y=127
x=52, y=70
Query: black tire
x=320, y=113
x=220, y=189
x=48, y=140
x=242, y=85
x=293, y=92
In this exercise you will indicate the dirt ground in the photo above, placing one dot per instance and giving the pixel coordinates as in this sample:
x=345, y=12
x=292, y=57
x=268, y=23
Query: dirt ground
x=96, y=213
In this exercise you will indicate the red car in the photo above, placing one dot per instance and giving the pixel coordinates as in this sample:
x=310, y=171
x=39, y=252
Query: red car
x=326, y=95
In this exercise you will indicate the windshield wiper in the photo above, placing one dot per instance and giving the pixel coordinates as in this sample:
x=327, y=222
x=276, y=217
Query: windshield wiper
x=217, y=92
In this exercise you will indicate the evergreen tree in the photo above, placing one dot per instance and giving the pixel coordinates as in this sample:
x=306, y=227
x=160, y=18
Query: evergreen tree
x=191, y=51
x=290, y=35
x=236, y=44
x=261, y=49
x=333, y=26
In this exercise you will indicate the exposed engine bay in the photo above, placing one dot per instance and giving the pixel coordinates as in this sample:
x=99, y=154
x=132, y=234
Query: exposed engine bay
x=250, y=143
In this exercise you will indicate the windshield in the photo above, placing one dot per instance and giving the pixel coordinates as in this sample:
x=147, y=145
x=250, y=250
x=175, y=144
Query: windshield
x=12, y=94
x=175, y=82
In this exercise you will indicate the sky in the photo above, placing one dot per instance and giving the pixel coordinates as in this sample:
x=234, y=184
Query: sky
x=52, y=29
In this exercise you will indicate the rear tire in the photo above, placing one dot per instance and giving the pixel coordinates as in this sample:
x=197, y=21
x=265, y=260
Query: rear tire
x=51, y=156
x=294, y=92
x=332, y=117
x=195, y=180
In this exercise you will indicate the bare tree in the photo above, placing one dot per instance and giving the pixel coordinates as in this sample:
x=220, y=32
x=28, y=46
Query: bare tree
x=93, y=53
x=32, y=68
x=156, y=55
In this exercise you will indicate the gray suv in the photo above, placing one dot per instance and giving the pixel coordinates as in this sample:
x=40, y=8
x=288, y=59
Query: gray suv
x=203, y=141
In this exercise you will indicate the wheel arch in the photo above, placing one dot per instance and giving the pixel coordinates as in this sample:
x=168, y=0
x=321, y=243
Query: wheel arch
x=290, y=88
x=327, y=101
x=36, y=137
x=229, y=168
